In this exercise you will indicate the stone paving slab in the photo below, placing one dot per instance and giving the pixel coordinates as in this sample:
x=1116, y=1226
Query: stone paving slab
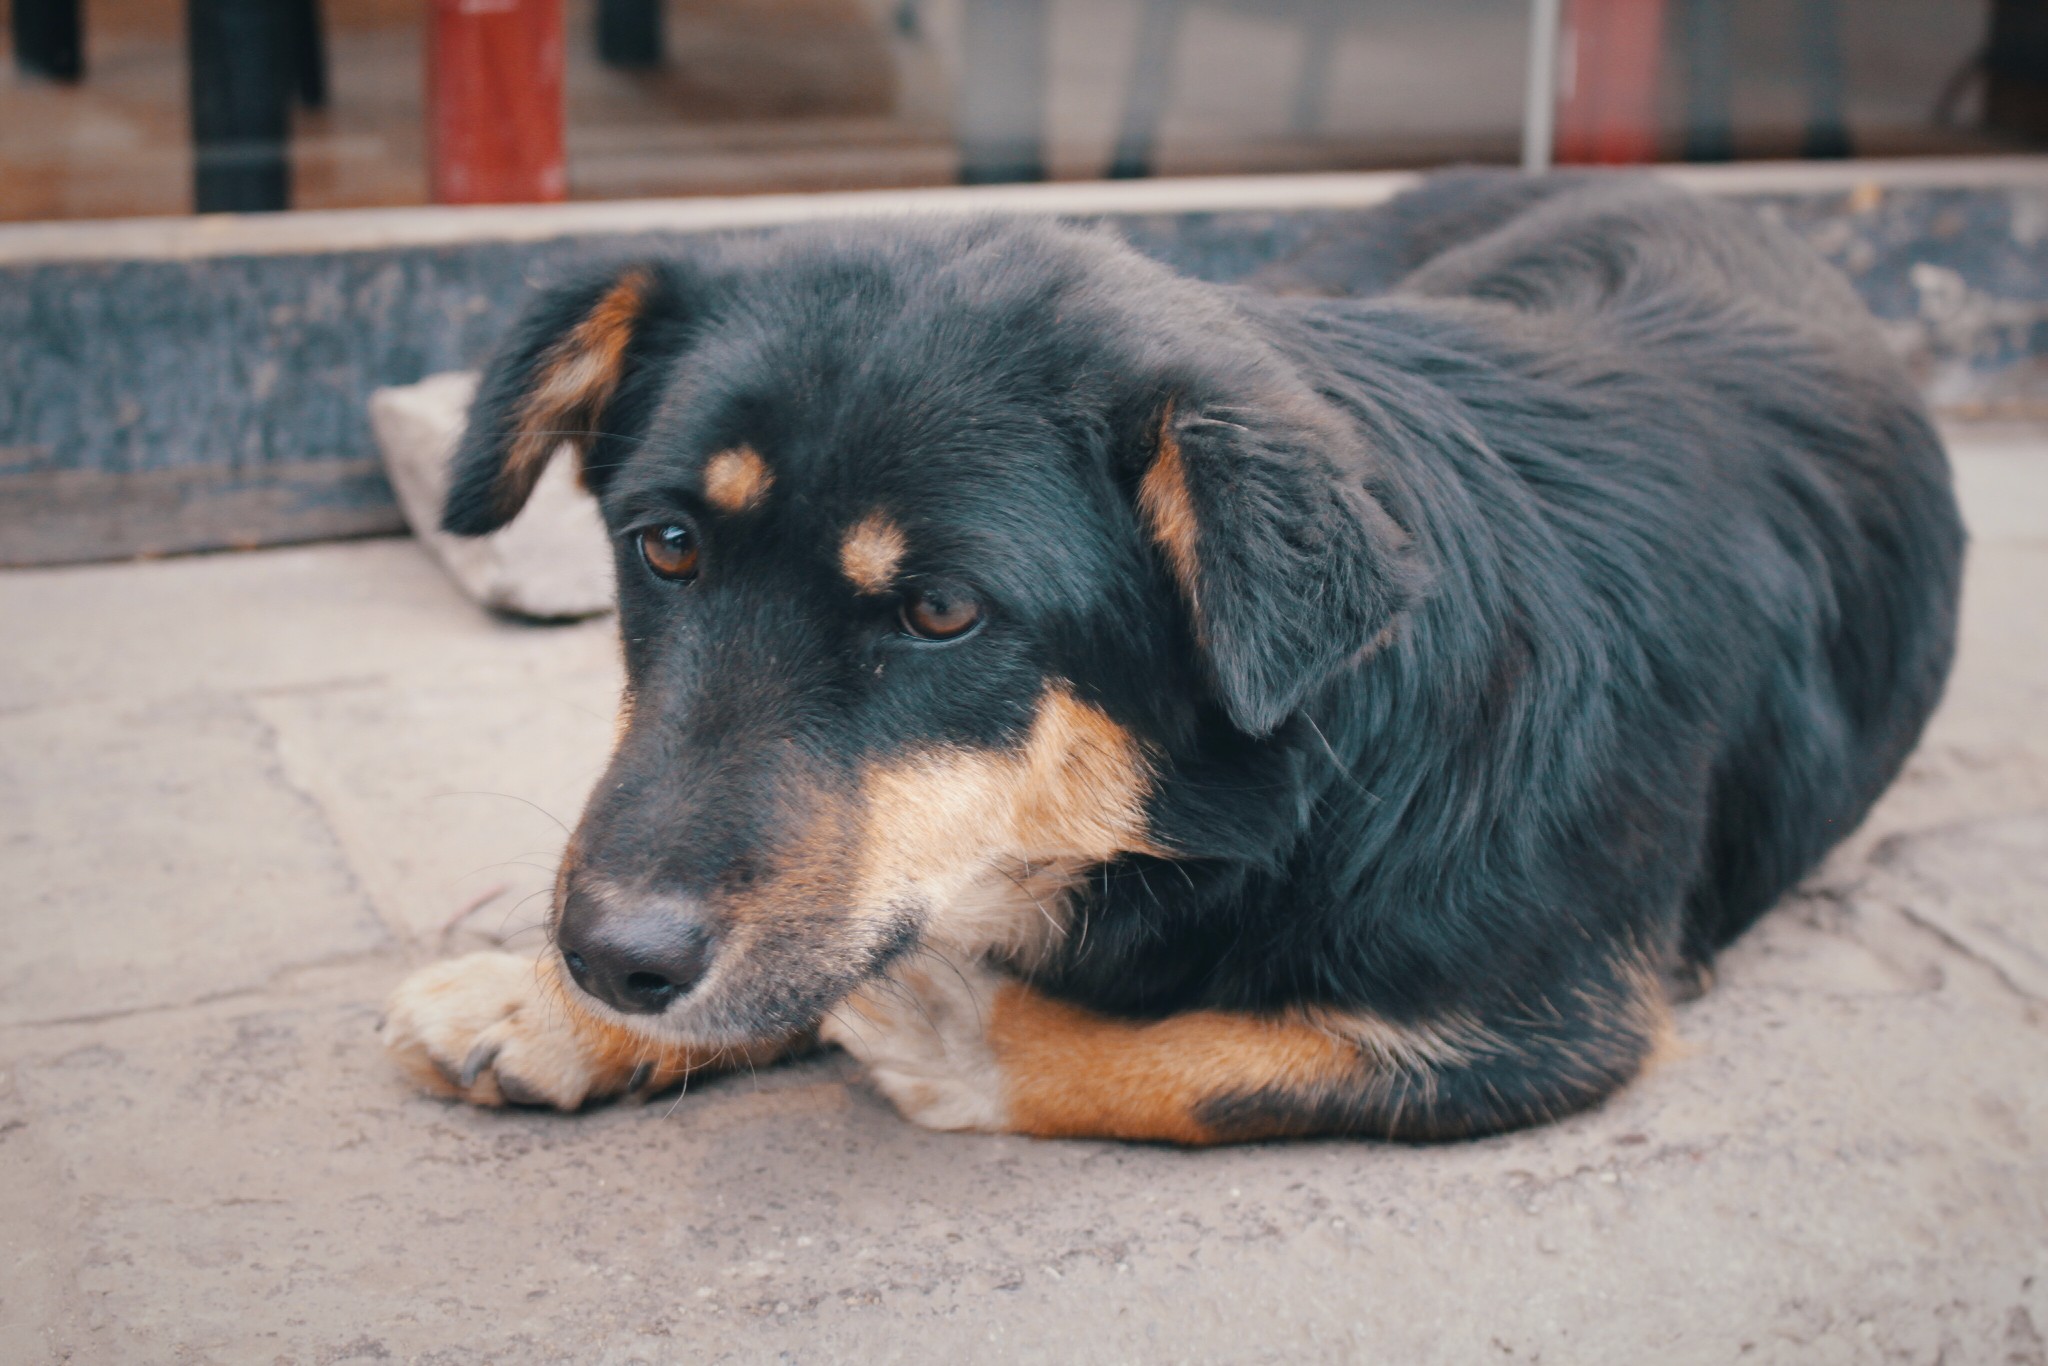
x=155, y=855
x=312, y=616
x=230, y=807
x=466, y=802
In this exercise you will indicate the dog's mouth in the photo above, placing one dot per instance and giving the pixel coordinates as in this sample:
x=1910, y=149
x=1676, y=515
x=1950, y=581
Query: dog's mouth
x=775, y=972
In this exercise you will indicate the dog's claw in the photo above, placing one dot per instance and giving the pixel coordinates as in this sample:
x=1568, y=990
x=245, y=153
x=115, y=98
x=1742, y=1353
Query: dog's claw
x=480, y=1057
x=517, y=1092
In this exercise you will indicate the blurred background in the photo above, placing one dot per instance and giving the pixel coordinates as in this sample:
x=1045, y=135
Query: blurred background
x=112, y=108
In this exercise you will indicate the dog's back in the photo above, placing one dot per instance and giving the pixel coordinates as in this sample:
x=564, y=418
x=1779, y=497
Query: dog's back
x=1856, y=502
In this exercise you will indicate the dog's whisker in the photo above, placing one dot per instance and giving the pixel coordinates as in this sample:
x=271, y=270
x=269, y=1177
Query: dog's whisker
x=502, y=935
x=508, y=796
x=846, y=1022
x=516, y=861
x=1056, y=925
x=681, y=1091
x=915, y=1000
x=980, y=1025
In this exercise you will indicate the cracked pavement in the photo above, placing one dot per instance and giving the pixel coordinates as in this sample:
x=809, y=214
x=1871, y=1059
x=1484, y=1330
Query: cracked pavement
x=241, y=795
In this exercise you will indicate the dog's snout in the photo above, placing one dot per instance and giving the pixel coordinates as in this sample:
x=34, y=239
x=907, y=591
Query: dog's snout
x=634, y=958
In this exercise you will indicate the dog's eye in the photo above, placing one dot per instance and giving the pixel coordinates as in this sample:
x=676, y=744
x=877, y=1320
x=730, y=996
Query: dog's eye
x=940, y=612
x=670, y=551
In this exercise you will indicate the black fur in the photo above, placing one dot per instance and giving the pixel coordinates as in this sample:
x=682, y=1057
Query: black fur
x=1664, y=538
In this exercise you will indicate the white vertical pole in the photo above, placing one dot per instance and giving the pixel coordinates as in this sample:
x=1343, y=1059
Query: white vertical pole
x=1539, y=96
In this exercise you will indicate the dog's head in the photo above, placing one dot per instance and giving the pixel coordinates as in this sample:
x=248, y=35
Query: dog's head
x=944, y=555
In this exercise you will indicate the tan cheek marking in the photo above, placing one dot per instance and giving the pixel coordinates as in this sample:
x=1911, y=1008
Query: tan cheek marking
x=1073, y=793
x=927, y=818
x=1168, y=510
x=737, y=480
x=575, y=382
x=871, y=553
x=1083, y=787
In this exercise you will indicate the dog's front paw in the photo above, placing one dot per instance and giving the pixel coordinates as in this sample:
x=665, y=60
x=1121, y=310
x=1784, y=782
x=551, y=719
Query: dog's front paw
x=493, y=1029
x=922, y=1034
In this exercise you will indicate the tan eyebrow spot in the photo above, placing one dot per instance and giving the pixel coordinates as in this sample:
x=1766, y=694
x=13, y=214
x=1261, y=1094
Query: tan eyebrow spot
x=737, y=480
x=871, y=553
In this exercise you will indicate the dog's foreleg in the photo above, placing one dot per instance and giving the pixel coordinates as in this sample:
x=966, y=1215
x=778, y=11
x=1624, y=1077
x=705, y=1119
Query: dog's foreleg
x=964, y=1047
x=967, y=1048
x=498, y=1029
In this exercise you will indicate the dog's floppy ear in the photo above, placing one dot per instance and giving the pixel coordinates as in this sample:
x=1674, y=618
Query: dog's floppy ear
x=1289, y=565
x=562, y=376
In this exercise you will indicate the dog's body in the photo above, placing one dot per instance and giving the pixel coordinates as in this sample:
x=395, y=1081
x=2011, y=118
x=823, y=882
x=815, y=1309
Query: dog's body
x=1116, y=705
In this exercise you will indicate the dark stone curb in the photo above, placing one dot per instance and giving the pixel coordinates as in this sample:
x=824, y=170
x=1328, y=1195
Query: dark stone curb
x=151, y=406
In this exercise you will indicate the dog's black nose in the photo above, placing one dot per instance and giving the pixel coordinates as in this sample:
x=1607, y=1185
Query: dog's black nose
x=634, y=959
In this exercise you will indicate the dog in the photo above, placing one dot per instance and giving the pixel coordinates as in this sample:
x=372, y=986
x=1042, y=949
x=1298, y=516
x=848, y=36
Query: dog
x=1112, y=705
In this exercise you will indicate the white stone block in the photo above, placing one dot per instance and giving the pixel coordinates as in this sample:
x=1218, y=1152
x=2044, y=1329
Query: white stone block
x=553, y=560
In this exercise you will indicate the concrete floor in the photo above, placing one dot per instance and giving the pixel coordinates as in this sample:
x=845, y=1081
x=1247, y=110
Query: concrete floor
x=241, y=795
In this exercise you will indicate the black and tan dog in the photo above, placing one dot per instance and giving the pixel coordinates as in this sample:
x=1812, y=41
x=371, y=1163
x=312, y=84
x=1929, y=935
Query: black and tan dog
x=1107, y=704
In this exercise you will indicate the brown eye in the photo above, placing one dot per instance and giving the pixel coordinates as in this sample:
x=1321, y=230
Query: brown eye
x=670, y=551
x=940, y=612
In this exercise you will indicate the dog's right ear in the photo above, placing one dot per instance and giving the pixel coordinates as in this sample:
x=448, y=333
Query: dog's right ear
x=1263, y=509
x=576, y=370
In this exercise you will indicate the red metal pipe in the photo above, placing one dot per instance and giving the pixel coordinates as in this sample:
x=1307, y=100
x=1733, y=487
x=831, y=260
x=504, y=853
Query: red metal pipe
x=1611, y=53
x=494, y=101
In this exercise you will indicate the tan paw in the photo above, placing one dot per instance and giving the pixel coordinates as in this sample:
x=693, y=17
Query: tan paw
x=494, y=1029
x=921, y=1035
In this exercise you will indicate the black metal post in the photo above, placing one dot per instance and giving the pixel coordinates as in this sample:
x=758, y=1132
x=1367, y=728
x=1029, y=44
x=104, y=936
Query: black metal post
x=629, y=33
x=48, y=39
x=243, y=78
x=1820, y=41
x=2016, y=69
x=308, y=52
x=1709, y=80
